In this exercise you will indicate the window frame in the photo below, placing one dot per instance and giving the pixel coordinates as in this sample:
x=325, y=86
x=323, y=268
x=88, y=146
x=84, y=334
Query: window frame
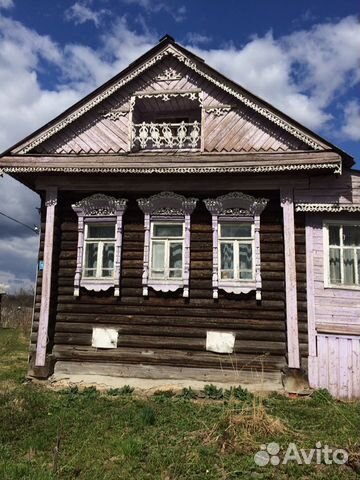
x=171, y=208
x=326, y=256
x=100, y=249
x=98, y=209
x=236, y=207
x=236, y=241
x=167, y=241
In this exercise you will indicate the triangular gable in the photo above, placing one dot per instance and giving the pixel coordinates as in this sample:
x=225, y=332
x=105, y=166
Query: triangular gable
x=165, y=50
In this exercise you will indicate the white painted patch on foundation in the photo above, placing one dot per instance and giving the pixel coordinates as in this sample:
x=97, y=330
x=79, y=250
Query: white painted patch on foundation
x=104, y=338
x=220, y=342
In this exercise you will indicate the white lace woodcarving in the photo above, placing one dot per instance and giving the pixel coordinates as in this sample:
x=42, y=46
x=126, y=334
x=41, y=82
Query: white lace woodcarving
x=166, y=135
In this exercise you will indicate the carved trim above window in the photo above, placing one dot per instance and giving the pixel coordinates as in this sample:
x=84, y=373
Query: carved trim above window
x=236, y=207
x=167, y=207
x=99, y=208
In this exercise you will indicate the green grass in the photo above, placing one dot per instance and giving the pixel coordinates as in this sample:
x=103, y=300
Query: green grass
x=119, y=435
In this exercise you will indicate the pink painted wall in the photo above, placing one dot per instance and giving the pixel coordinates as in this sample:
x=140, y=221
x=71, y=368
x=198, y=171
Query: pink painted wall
x=334, y=359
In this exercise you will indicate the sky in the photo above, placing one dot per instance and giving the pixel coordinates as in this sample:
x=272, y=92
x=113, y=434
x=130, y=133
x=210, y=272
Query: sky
x=303, y=57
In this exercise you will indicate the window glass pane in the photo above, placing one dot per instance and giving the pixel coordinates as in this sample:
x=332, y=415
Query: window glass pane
x=349, y=266
x=175, y=273
x=351, y=235
x=235, y=230
x=245, y=261
x=334, y=235
x=175, y=230
x=227, y=260
x=101, y=231
x=108, y=260
x=158, y=259
x=91, y=250
x=334, y=260
x=175, y=255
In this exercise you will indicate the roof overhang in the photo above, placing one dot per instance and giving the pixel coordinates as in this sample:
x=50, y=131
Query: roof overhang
x=175, y=163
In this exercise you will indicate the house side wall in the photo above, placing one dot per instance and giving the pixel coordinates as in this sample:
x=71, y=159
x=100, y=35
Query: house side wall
x=333, y=313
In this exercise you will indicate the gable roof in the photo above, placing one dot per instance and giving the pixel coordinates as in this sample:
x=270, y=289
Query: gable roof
x=168, y=46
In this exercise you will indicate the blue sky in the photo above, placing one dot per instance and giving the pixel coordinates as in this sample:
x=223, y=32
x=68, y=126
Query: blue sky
x=303, y=57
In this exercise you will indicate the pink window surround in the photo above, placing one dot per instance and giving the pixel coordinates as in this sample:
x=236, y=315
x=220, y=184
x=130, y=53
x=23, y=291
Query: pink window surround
x=167, y=207
x=236, y=207
x=99, y=208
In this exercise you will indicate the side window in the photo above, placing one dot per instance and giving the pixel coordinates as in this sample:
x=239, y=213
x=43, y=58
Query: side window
x=99, y=243
x=343, y=252
x=167, y=242
x=236, y=242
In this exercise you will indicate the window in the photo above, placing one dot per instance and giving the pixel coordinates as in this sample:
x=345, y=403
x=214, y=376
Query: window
x=99, y=251
x=99, y=243
x=167, y=242
x=167, y=245
x=343, y=254
x=236, y=242
x=236, y=247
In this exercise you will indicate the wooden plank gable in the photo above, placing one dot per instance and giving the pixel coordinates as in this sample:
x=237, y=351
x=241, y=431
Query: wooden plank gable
x=228, y=125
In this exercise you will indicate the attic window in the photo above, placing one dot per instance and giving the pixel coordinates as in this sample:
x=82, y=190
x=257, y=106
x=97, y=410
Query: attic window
x=99, y=243
x=166, y=120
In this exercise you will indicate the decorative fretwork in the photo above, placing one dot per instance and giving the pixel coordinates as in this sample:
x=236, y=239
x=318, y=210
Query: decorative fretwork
x=115, y=114
x=239, y=207
x=326, y=207
x=169, y=75
x=236, y=204
x=99, y=207
x=219, y=111
x=168, y=206
x=166, y=135
x=200, y=70
x=336, y=168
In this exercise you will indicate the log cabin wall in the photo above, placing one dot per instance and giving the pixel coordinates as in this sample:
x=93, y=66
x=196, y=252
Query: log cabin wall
x=166, y=329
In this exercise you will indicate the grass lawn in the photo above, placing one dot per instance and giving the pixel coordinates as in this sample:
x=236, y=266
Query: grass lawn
x=118, y=435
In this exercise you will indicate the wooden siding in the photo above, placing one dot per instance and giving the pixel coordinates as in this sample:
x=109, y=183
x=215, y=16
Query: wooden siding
x=240, y=129
x=343, y=189
x=334, y=321
x=337, y=365
x=166, y=329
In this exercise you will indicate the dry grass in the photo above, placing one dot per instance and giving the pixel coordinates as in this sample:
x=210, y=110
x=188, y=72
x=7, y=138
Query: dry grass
x=241, y=425
x=16, y=312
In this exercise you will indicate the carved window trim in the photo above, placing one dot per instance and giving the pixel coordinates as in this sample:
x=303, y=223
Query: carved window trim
x=99, y=208
x=167, y=207
x=236, y=207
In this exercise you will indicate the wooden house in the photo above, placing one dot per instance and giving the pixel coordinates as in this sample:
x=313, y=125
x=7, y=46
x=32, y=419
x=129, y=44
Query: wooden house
x=190, y=230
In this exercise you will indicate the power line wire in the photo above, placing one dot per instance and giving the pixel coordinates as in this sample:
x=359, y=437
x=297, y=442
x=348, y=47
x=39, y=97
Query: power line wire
x=34, y=229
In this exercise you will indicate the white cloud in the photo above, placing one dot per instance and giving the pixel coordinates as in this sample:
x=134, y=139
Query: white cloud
x=5, y=4
x=195, y=38
x=81, y=13
x=351, y=127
